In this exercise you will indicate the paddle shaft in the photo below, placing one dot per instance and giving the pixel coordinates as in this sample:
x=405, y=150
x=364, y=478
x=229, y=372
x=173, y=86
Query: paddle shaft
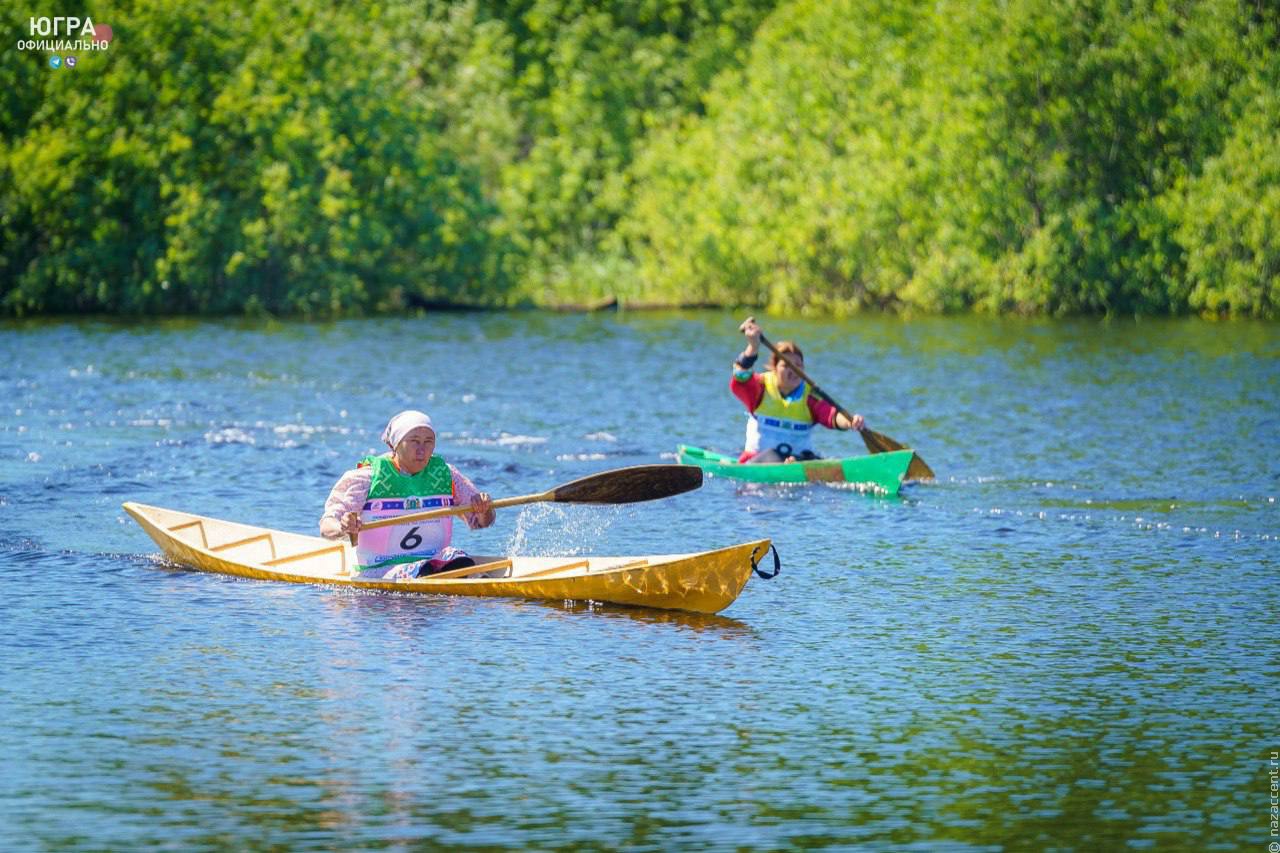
x=428, y=514
x=875, y=442
x=618, y=486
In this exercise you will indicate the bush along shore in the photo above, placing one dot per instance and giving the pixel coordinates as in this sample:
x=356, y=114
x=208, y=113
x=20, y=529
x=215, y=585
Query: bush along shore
x=1030, y=157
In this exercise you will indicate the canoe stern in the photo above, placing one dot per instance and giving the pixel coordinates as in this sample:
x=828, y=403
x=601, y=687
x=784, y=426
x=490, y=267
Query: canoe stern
x=706, y=582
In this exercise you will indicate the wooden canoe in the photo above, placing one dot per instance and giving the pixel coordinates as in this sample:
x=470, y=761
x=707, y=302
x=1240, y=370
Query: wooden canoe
x=705, y=582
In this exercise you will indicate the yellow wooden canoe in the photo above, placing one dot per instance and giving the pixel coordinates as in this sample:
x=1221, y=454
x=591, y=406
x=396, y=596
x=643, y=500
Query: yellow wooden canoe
x=705, y=582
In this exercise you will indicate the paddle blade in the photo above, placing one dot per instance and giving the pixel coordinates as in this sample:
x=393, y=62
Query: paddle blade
x=878, y=443
x=629, y=485
x=918, y=470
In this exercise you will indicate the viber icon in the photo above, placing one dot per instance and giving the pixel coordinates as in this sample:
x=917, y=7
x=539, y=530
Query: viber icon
x=71, y=62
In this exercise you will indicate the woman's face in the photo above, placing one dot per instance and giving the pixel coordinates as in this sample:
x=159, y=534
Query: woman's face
x=788, y=379
x=415, y=449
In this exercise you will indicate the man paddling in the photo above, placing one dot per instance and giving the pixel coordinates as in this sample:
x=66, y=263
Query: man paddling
x=409, y=479
x=781, y=404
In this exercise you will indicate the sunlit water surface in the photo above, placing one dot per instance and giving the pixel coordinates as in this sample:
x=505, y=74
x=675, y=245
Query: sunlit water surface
x=1068, y=642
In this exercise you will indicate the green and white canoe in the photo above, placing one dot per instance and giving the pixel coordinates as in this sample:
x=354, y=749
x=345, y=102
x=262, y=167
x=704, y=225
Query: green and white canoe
x=883, y=472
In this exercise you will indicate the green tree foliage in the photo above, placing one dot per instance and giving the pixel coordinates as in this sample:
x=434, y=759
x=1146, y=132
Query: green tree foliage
x=595, y=79
x=1228, y=217
x=235, y=156
x=1008, y=156
x=1033, y=156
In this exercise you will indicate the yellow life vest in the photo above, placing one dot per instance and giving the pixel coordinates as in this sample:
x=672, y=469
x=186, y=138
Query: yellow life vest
x=780, y=421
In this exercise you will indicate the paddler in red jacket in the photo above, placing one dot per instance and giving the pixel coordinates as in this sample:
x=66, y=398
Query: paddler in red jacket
x=782, y=407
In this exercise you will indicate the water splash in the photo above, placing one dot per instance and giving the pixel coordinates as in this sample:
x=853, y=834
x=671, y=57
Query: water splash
x=550, y=530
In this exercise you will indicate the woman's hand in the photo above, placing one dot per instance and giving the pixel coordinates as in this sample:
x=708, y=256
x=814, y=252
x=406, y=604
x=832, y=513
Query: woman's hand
x=334, y=528
x=482, y=509
x=751, y=329
x=855, y=422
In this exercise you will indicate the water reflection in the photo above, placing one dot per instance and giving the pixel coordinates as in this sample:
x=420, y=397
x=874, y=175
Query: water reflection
x=409, y=614
x=709, y=623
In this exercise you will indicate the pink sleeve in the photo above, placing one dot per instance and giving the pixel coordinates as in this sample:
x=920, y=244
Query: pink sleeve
x=749, y=391
x=464, y=492
x=348, y=494
x=823, y=412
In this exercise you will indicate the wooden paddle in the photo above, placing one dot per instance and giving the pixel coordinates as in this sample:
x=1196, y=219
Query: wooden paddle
x=876, y=442
x=619, y=486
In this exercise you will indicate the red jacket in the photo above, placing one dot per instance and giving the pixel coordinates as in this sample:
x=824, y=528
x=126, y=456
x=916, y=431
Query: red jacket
x=751, y=392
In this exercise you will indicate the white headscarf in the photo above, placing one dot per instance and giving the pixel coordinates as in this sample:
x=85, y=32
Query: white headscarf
x=399, y=426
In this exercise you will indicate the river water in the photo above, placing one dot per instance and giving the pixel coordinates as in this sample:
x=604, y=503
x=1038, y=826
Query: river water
x=1068, y=642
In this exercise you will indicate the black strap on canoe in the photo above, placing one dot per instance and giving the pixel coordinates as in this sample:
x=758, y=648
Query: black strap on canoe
x=777, y=563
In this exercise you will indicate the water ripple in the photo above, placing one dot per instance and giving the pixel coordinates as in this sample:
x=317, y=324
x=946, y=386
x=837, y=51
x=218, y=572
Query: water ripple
x=1061, y=644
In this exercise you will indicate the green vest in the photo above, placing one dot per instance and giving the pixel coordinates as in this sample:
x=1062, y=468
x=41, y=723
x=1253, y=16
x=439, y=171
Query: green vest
x=392, y=493
x=388, y=482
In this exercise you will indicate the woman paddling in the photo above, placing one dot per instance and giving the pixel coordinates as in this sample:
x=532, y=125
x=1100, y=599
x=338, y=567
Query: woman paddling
x=409, y=479
x=782, y=407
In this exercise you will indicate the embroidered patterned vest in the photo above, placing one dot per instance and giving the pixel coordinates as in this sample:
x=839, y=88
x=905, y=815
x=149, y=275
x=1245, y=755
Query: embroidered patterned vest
x=392, y=493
